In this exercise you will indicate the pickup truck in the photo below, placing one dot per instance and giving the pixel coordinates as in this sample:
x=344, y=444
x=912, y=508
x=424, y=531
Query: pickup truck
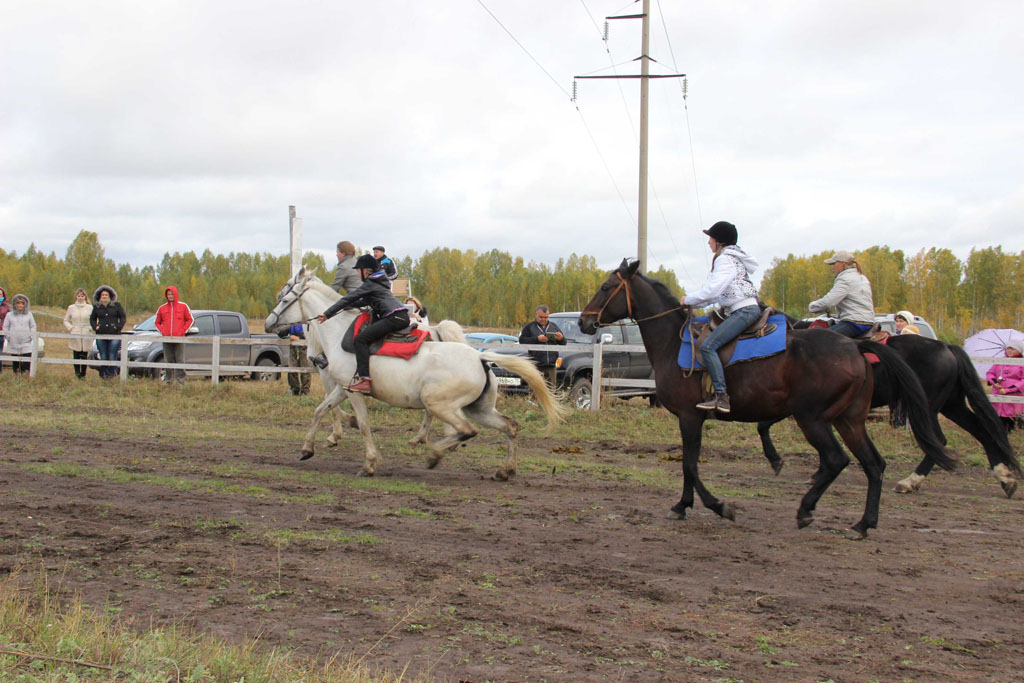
x=146, y=346
x=576, y=362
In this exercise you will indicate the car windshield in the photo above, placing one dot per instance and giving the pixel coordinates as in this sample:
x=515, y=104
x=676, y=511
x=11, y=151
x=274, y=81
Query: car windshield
x=570, y=327
x=147, y=325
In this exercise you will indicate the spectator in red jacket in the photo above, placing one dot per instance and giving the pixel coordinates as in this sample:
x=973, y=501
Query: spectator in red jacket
x=174, y=319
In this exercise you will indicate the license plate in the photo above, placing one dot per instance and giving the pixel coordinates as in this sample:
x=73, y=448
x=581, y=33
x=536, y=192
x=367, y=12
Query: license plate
x=509, y=381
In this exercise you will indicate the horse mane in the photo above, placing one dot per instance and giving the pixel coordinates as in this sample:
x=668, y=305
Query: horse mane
x=325, y=289
x=667, y=298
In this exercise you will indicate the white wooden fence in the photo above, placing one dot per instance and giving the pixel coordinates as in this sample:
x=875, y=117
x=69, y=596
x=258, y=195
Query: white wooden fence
x=216, y=369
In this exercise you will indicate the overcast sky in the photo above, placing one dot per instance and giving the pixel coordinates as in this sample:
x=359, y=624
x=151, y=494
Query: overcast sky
x=182, y=125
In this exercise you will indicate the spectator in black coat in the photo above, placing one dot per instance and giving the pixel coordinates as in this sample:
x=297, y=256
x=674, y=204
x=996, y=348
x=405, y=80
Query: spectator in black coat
x=107, y=317
x=542, y=331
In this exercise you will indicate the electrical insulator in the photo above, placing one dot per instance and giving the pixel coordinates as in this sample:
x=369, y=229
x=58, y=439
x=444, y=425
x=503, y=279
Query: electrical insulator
x=574, y=90
x=686, y=87
x=605, y=38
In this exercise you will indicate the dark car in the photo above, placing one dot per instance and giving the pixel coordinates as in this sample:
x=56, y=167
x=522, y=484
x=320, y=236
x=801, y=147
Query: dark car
x=575, y=361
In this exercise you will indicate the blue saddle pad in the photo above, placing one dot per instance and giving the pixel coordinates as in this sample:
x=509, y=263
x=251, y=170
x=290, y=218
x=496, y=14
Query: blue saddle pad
x=746, y=349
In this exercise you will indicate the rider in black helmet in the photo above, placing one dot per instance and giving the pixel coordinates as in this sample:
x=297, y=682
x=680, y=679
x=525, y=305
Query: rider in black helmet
x=389, y=315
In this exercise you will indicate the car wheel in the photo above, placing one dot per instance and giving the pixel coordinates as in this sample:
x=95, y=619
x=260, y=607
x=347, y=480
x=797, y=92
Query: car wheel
x=265, y=376
x=158, y=373
x=581, y=394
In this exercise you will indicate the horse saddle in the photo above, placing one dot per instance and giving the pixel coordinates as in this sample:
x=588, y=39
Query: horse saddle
x=763, y=338
x=759, y=328
x=403, y=343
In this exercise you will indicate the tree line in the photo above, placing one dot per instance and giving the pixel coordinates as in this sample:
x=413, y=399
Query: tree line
x=496, y=289
x=957, y=297
x=491, y=289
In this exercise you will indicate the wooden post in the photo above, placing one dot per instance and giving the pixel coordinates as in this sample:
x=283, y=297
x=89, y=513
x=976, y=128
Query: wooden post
x=123, y=363
x=595, y=375
x=215, y=374
x=34, y=358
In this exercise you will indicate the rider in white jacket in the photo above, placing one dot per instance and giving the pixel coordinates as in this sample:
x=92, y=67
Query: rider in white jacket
x=730, y=287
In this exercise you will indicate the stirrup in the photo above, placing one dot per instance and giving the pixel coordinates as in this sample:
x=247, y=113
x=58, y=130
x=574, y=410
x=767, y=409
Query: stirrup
x=319, y=360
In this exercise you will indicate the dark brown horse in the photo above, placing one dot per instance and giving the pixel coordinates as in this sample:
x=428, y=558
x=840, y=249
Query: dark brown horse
x=952, y=387
x=820, y=380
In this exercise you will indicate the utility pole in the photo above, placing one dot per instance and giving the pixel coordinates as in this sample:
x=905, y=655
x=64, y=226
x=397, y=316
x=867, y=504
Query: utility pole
x=645, y=77
x=294, y=240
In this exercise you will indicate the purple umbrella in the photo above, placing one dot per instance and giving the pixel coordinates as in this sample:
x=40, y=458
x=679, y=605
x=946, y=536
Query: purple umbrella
x=990, y=343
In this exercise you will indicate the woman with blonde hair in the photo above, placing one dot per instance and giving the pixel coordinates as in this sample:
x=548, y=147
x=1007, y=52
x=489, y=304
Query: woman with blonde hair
x=850, y=296
x=417, y=311
x=76, y=321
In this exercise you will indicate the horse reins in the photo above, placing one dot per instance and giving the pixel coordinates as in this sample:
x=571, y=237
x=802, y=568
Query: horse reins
x=624, y=283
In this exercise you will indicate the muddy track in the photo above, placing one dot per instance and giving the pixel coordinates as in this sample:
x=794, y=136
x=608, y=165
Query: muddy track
x=553, y=576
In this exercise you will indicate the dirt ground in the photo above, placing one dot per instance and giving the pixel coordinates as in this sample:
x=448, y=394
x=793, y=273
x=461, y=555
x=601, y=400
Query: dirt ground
x=556, y=575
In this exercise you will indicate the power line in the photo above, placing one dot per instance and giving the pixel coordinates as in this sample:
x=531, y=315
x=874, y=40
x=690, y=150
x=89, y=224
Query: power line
x=593, y=140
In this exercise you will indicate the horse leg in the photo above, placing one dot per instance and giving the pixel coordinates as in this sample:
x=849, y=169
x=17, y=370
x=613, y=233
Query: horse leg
x=967, y=420
x=690, y=426
x=452, y=416
x=855, y=436
x=421, y=435
x=363, y=419
x=488, y=416
x=338, y=419
x=763, y=429
x=333, y=398
x=831, y=461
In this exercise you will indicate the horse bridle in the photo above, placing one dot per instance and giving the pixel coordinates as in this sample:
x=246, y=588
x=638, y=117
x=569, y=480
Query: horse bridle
x=285, y=291
x=624, y=284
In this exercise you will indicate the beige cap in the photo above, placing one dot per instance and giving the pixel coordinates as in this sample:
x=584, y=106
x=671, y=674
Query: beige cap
x=844, y=256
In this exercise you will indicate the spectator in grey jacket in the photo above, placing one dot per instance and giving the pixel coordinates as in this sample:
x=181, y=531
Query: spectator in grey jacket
x=850, y=296
x=346, y=277
x=18, y=327
x=5, y=308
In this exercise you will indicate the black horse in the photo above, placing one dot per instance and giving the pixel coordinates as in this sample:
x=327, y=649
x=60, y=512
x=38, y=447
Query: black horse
x=820, y=380
x=951, y=384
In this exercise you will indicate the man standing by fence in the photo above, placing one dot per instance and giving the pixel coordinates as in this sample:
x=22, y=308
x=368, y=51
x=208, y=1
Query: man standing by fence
x=541, y=331
x=298, y=382
x=174, y=319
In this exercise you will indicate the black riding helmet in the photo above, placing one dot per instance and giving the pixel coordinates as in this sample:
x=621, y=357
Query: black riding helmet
x=723, y=232
x=366, y=261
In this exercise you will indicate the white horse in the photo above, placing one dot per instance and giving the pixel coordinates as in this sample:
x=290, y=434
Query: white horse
x=448, y=381
x=444, y=331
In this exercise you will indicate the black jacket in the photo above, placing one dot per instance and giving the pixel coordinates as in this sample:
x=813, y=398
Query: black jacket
x=107, y=319
x=375, y=292
x=529, y=335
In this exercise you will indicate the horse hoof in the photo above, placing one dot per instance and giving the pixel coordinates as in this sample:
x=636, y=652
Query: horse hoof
x=855, y=534
x=777, y=466
x=502, y=475
x=1009, y=488
x=902, y=488
x=363, y=472
x=433, y=462
x=676, y=514
x=802, y=522
x=306, y=455
x=729, y=512
x=331, y=442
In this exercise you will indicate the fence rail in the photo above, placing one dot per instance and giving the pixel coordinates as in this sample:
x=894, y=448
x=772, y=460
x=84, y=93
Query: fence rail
x=216, y=368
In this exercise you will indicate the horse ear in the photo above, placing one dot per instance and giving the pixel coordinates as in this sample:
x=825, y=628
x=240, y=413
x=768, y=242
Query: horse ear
x=634, y=265
x=624, y=265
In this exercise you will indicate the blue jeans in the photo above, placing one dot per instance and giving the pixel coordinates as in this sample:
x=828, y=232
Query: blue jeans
x=733, y=326
x=107, y=349
x=849, y=329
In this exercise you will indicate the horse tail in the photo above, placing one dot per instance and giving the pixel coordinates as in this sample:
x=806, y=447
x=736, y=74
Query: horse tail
x=977, y=399
x=555, y=411
x=449, y=331
x=906, y=389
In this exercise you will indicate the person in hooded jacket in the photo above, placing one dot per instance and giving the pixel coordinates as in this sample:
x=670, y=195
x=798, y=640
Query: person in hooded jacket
x=19, y=325
x=174, y=319
x=107, y=317
x=730, y=287
x=76, y=321
x=5, y=308
x=388, y=315
x=850, y=296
